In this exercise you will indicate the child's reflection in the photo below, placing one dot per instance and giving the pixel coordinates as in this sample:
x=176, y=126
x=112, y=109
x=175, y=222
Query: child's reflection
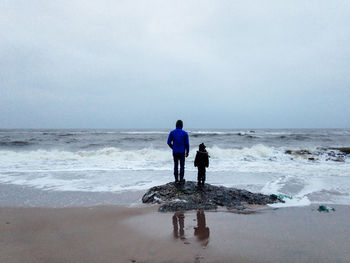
x=202, y=231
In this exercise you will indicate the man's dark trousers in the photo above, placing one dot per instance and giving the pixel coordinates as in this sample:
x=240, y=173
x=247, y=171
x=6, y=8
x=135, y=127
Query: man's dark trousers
x=179, y=157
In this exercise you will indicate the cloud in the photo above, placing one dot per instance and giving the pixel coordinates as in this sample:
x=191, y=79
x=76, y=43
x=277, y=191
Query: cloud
x=120, y=62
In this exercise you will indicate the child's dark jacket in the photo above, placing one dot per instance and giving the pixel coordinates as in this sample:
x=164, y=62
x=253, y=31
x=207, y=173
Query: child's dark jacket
x=202, y=159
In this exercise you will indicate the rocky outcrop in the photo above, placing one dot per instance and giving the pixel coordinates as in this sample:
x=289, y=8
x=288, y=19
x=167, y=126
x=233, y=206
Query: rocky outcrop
x=189, y=196
x=345, y=150
x=336, y=154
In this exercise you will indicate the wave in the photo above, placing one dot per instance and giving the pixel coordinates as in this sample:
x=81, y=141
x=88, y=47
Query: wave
x=223, y=157
x=15, y=143
x=257, y=152
x=66, y=134
x=137, y=139
x=191, y=132
x=143, y=132
x=259, y=168
x=107, y=153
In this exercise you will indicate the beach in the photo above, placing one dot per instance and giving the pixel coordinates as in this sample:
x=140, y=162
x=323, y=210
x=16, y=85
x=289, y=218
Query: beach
x=75, y=196
x=142, y=234
x=102, y=101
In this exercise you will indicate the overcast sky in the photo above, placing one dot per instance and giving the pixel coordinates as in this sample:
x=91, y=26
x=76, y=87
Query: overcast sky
x=145, y=64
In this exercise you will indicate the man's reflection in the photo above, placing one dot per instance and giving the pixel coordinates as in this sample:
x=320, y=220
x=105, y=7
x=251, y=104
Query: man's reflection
x=178, y=222
x=202, y=231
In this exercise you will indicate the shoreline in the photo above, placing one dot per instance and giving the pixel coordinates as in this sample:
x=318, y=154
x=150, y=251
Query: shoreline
x=141, y=234
x=22, y=196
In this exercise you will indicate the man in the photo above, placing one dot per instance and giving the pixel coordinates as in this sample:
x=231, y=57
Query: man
x=178, y=141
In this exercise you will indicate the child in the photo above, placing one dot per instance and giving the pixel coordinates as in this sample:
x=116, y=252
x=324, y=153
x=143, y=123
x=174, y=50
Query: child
x=201, y=161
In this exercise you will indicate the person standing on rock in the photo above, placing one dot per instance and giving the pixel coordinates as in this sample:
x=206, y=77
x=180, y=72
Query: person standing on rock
x=178, y=141
x=201, y=162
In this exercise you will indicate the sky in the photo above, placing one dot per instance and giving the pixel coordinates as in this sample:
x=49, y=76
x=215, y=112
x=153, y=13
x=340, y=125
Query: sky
x=145, y=64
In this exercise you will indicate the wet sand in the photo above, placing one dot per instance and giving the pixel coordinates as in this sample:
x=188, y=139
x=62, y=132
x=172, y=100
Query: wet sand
x=141, y=234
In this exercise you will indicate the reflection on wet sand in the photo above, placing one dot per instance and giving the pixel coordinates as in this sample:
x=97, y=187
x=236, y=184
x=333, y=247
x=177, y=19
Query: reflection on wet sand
x=179, y=224
x=201, y=232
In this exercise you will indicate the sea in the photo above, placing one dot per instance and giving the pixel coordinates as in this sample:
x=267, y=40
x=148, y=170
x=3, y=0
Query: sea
x=44, y=167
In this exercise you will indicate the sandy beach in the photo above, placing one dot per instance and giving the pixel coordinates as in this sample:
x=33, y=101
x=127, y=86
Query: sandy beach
x=142, y=234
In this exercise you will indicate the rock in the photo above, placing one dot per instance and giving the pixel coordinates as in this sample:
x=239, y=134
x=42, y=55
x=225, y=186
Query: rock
x=339, y=159
x=336, y=154
x=281, y=197
x=323, y=208
x=188, y=196
x=345, y=150
x=300, y=152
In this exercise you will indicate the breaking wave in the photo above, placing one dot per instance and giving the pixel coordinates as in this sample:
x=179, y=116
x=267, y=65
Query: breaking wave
x=305, y=174
x=15, y=143
x=222, y=159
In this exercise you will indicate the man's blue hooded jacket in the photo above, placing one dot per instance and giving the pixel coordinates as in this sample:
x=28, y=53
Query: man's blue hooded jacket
x=178, y=141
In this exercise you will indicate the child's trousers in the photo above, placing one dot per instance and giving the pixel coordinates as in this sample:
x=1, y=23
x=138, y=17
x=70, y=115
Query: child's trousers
x=201, y=175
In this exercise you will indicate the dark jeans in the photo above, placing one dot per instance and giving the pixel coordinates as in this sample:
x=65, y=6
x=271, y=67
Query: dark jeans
x=201, y=175
x=179, y=157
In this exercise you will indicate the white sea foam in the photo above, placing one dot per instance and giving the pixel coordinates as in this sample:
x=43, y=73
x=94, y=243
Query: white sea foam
x=258, y=158
x=295, y=201
x=143, y=132
x=257, y=168
x=214, y=132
